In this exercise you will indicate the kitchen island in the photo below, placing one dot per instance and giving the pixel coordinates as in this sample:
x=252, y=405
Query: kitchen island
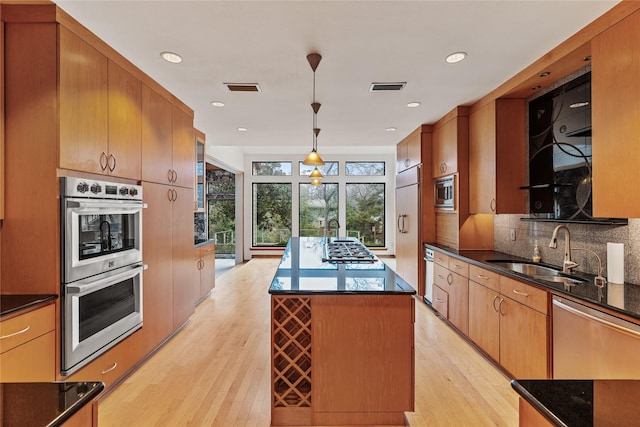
x=342, y=340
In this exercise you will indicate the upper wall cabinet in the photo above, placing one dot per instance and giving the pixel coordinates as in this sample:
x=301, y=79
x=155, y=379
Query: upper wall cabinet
x=497, y=158
x=615, y=93
x=450, y=143
x=99, y=111
x=409, y=152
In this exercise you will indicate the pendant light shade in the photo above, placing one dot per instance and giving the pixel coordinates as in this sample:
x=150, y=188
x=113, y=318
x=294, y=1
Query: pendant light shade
x=316, y=173
x=314, y=159
x=316, y=181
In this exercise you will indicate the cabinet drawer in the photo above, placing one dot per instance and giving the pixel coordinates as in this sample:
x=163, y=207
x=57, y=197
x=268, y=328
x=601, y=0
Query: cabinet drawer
x=25, y=327
x=440, y=276
x=459, y=267
x=525, y=294
x=441, y=259
x=33, y=361
x=440, y=301
x=207, y=250
x=484, y=277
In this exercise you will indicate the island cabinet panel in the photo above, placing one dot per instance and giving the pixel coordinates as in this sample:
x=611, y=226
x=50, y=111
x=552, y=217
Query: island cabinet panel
x=353, y=337
x=342, y=359
x=528, y=416
x=615, y=92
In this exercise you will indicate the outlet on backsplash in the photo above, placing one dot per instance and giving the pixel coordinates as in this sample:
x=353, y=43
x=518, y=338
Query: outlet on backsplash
x=512, y=234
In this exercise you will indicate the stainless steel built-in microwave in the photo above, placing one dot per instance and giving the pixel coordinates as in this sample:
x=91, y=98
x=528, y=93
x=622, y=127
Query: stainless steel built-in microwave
x=445, y=193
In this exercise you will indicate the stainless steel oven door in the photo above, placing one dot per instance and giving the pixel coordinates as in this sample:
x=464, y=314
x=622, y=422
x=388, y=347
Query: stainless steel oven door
x=100, y=235
x=99, y=312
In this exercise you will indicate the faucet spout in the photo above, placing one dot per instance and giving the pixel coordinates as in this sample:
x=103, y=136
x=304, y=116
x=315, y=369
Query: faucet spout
x=567, y=264
x=328, y=229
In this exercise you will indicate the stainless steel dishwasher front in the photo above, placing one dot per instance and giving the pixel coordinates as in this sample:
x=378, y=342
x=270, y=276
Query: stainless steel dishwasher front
x=590, y=344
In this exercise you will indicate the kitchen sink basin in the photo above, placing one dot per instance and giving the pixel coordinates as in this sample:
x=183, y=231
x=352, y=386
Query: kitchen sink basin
x=529, y=269
x=540, y=272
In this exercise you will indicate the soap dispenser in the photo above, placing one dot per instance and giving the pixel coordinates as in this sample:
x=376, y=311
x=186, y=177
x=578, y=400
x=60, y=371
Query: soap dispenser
x=536, y=253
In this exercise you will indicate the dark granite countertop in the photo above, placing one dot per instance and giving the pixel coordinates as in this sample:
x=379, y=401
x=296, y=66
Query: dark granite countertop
x=302, y=271
x=583, y=403
x=44, y=404
x=10, y=304
x=623, y=298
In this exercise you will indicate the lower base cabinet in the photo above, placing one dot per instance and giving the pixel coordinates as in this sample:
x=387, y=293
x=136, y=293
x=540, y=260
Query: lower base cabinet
x=512, y=332
x=205, y=257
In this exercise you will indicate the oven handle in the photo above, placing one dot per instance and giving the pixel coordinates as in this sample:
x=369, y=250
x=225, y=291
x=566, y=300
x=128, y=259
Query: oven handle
x=91, y=284
x=91, y=204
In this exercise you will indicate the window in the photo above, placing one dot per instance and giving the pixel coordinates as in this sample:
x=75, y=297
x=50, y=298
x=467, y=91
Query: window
x=318, y=204
x=365, y=213
x=329, y=169
x=271, y=168
x=364, y=168
x=271, y=214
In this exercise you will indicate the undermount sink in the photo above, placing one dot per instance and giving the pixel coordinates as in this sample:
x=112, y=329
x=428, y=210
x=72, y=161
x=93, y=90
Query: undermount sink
x=539, y=272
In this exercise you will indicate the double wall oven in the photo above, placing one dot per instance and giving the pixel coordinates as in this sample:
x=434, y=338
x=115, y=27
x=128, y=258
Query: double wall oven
x=101, y=235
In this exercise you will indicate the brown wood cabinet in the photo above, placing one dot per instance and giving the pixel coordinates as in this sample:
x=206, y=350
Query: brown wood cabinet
x=408, y=229
x=409, y=151
x=339, y=380
x=1, y=120
x=450, y=144
x=508, y=320
x=497, y=158
x=206, y=265
x=615, y=94
x=452, y=279
x=27, y=346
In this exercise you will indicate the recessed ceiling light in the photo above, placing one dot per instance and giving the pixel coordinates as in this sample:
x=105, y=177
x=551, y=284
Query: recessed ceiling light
x=413, y=104
x=391, y=129
x=217, y=103
x=535, y=87
x=456, y=57
x=171, y=57
x=242, y=129
x=545, y=74
x=587, y=58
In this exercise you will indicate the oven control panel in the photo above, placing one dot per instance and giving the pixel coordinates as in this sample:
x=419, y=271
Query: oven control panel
x=90, y=188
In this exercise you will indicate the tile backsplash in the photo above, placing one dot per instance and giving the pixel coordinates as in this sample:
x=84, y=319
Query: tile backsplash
x=583, y=236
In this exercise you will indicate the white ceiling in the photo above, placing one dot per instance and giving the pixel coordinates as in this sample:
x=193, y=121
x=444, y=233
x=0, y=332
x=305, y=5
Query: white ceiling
x=267, y=42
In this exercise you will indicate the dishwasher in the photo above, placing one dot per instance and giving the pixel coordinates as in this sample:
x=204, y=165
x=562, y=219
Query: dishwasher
x=428, y=292
x=590, y=344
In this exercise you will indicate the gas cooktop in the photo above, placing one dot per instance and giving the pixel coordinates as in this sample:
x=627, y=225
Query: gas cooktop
x=347, y=251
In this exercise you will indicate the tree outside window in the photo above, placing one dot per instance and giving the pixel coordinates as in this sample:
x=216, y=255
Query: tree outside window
x=318, y=204
x=271, y=214
x=365, y=213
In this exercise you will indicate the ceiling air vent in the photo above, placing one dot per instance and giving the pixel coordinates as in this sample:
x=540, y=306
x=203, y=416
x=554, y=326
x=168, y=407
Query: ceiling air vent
x=386, y=87
x=243, y=87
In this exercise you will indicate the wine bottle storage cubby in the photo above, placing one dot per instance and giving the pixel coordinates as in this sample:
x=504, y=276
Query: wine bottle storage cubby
x=291, y=352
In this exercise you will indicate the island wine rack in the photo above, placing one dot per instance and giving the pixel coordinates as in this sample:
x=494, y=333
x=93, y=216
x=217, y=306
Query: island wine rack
x=291, y=358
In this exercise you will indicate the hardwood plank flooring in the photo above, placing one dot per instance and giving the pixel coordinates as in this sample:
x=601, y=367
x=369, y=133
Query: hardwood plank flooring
x=216, y=371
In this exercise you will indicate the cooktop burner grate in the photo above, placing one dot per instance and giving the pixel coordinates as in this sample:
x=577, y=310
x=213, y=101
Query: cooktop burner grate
x=347, y=251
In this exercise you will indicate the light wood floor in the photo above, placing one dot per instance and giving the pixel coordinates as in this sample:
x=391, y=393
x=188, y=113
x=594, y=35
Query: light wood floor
x=215, y=372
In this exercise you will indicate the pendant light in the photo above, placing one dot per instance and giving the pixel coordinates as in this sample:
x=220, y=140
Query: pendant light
x=316, y=173
x=314, y=159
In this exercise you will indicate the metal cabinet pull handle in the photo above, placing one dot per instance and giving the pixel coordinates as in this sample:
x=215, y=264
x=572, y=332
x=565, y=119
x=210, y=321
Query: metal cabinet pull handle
x=169, y=175
x=170, y=194
x=112, y=157
x=457, y=266
x=175, y=176
x=104, y=161
x=494, y=303
x=406, y=163
x=440, y=276
x=175, y=195
x=115, y=365
x=15, y=333
x=480, y=276
x=449, y=279
x=439, y=300
x=517, y=292
x=492, y=205
x=500, y=307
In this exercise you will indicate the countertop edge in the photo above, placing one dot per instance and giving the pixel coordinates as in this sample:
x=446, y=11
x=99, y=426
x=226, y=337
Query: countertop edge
x=529, y=398
x=37, y=300
x=86, y=399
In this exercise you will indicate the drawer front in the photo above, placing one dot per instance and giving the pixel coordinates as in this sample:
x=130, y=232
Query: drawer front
x=33, y=361
x=20, y=329
x=440, y=301
x=441, y=276
x=459, y=267
x=484, y=277
x=525, y=294
x=207, y=250
x=441, y=259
